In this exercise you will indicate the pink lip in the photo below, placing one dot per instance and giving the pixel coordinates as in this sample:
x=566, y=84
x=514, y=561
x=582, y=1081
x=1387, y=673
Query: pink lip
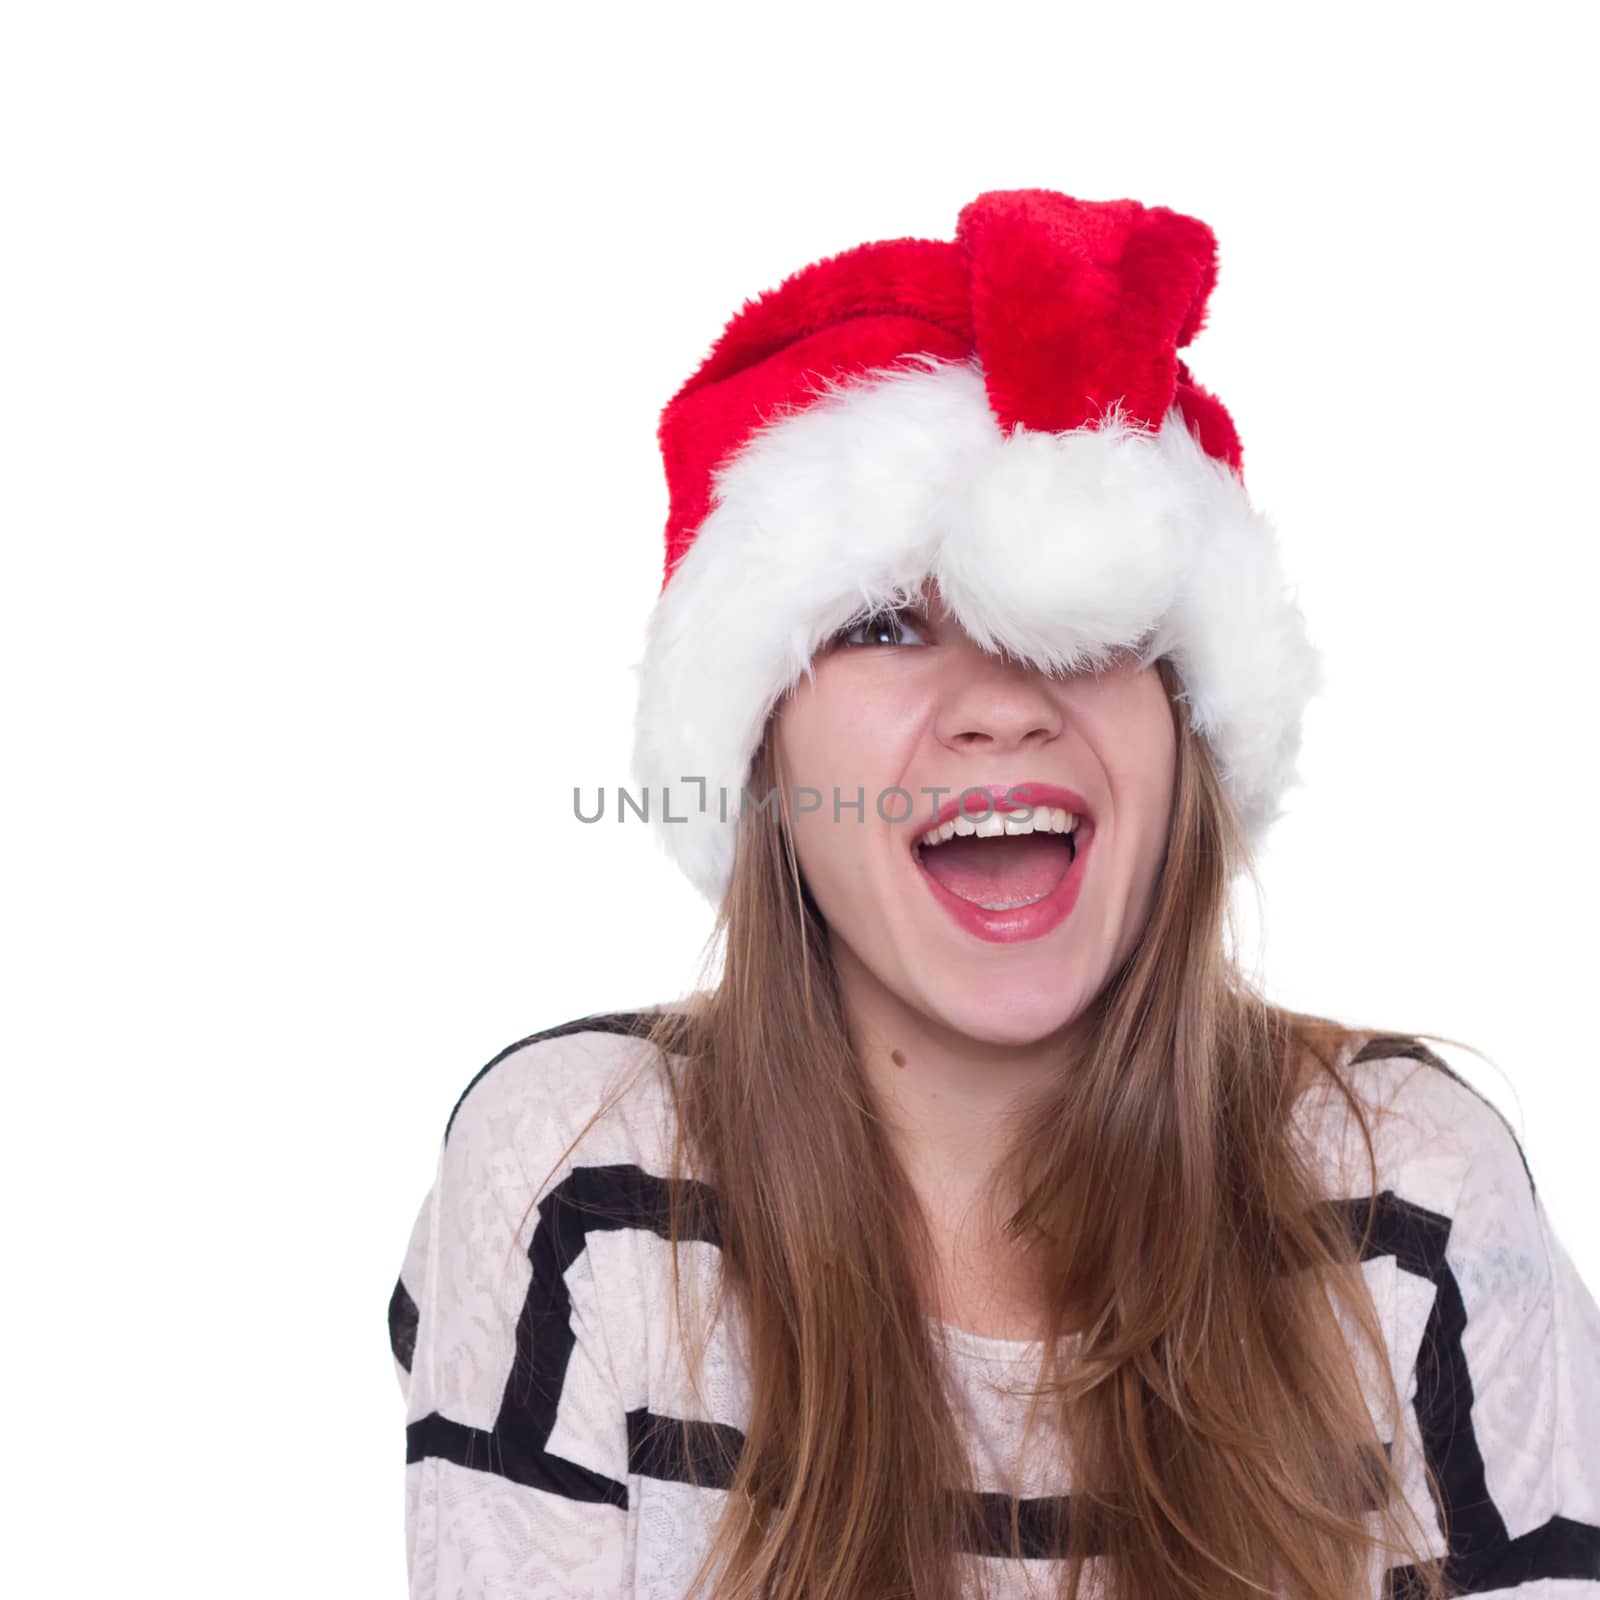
x=1021, y=922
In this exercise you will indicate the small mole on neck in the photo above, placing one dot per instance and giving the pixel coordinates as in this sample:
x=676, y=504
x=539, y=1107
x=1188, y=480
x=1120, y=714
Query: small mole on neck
x=898, y=1057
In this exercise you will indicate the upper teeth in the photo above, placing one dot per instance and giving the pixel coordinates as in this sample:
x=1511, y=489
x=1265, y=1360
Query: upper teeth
x=1045, y=819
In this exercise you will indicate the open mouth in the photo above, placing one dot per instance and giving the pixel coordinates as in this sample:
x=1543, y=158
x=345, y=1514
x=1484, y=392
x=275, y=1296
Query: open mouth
x=1000, y=862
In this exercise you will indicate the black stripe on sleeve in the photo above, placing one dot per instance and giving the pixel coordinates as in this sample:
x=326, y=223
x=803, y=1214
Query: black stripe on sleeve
x=1480, y=1554
x=402, y=1324
x=506, y=1454
x=588, y=1200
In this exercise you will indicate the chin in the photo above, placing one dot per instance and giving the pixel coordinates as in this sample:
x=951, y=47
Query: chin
x=1013, y=1010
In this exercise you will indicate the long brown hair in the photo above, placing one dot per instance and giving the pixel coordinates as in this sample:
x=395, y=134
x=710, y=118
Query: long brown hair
x=1219, y=1437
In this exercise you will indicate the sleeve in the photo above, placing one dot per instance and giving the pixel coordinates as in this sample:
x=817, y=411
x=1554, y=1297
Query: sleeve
x=1507, y=1388
x=516, y=1475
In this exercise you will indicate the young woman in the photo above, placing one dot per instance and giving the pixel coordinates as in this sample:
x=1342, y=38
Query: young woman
x=976, y=1227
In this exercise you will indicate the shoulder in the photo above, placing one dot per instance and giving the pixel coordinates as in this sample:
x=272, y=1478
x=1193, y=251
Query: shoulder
x=557, y=1066
x=588, y=1088
x=1435, y=1137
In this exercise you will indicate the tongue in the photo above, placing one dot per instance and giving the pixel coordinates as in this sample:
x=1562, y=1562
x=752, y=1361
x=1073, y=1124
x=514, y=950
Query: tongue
x=1011, y=868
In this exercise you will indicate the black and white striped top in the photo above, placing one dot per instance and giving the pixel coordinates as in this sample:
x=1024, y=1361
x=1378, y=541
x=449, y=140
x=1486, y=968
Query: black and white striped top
x=535, y=1356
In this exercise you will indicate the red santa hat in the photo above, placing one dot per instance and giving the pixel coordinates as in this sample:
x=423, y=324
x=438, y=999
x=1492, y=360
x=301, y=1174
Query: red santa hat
x=1007, y=414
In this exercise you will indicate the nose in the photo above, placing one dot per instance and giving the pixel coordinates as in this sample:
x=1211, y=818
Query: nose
x=994, y=705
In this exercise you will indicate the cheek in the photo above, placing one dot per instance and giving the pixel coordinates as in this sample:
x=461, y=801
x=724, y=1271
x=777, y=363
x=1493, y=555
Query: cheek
x=805, y=738
x=1129, y=721
x=847, y=728
x=1149, y=767
x=833, y=739
x=814, y=746
x=1154, y=765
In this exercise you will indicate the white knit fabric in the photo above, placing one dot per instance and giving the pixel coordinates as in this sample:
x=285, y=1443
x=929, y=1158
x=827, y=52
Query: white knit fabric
x=521, y=1479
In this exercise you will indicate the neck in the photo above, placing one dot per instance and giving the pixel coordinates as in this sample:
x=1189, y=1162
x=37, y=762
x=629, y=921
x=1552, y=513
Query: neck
x=950, y=1103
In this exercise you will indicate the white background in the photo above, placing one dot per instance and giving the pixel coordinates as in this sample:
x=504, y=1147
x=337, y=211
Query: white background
x=334, y=342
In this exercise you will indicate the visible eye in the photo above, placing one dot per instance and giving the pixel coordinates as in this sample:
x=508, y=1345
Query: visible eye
x=882, y=627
